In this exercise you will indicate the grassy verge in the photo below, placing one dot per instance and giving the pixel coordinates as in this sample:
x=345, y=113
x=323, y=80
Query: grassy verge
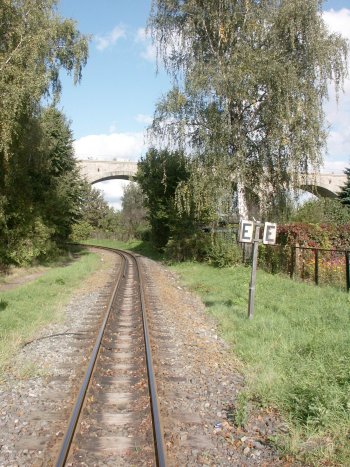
x=24, y=310
x=296, y=352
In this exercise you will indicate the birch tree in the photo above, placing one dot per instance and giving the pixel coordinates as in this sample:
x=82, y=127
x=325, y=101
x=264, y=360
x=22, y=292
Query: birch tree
x=249, y=82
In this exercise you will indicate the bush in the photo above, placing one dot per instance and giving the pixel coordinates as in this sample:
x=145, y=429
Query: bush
x=200, y=246
x=224, y=252
x=193, y=248
x=322, y=211
x=328, y=236
x=81, y=231
x=28, y=244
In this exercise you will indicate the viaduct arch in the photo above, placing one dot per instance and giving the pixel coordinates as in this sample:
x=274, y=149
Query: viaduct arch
x=321, y=185
x=99, y=171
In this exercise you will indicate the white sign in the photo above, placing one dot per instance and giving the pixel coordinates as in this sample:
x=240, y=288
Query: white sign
x=246, y=231
x=270, y=232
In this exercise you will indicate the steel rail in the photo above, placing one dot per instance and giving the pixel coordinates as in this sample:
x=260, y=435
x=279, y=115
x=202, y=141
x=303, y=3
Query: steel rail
x=155, y=409
x=160, y=455
x=157, y=426
x=67, y=441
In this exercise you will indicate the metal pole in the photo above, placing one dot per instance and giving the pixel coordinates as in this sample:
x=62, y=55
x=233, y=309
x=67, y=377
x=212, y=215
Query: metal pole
x=347, y=266
x=253, y=274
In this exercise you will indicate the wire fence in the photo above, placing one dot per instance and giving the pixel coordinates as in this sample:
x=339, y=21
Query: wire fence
x=314, y=265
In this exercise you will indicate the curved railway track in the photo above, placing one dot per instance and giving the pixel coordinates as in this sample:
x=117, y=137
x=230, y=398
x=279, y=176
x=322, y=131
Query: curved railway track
x=116, y=420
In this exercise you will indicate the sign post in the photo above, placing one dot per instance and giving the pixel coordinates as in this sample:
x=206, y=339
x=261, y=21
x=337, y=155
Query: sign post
x=253, y=274
x=246, y=233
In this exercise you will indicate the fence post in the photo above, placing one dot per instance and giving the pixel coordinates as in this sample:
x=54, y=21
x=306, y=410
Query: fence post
x=347, y=267
x=292, y=261
x=316, y=267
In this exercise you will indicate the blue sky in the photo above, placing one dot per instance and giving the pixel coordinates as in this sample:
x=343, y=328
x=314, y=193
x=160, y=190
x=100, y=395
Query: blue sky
x=115, y=101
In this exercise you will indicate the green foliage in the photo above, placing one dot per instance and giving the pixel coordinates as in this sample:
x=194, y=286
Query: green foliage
x=133, y=215
x=95, y=212
x=47, y=204
x=224, y=252
x=159, y=175
x=27, y=243
x=39, y=181
x=322, y=211
x=36, y=44
x=82, y=230
x=241, y=412
x=93, y=208
x=250, y=79
x=193, y=247
x=344, y=194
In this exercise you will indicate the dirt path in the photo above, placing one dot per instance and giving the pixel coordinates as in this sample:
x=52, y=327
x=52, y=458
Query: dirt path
x=20, y=277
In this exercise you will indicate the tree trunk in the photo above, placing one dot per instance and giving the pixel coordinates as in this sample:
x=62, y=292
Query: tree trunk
x=241, y=200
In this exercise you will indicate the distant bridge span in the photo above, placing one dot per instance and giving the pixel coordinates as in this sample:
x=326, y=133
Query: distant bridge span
x=99, y=171
x=321, y=185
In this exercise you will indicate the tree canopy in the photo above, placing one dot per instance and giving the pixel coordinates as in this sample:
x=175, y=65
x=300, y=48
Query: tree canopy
x=159, y=174
x=344, y=193
x=249, y=81
x=39, y=182
x=36, y=43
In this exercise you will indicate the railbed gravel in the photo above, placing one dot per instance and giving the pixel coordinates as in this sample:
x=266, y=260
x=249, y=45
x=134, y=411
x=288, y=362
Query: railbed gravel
x=197, y=376
x=198, y=382
x=34, y=409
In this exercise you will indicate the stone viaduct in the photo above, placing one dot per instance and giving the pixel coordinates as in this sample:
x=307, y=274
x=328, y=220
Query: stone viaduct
x=321, y=185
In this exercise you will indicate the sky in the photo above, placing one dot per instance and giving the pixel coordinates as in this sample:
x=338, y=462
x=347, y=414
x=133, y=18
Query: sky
x=113, y=105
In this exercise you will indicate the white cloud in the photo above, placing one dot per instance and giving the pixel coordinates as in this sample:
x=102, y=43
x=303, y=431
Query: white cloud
x=149, y=51
x=113, y=191
x=338, y=21
x=145, y=119
x=338, y=114
x=118, y=146
x=103, y=42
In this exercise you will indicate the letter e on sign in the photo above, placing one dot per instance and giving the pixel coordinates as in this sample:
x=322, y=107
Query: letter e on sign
x=270, y=232
x=246, y=229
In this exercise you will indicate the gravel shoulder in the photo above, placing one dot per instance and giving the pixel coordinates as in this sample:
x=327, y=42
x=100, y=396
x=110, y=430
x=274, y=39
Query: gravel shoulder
x=198, y=383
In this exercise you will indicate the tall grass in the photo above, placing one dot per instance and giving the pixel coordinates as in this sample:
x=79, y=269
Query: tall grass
x=24, y=310
x=296, y=351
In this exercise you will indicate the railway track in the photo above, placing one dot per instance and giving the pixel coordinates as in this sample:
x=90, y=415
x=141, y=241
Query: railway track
x=115, y=420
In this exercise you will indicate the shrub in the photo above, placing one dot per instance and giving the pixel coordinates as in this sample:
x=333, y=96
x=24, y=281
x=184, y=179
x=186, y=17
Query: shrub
x=224, y=252
x=201, y=246
x=81, y=231
x=28, y=244
x=194, y=248
x=326, y=236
